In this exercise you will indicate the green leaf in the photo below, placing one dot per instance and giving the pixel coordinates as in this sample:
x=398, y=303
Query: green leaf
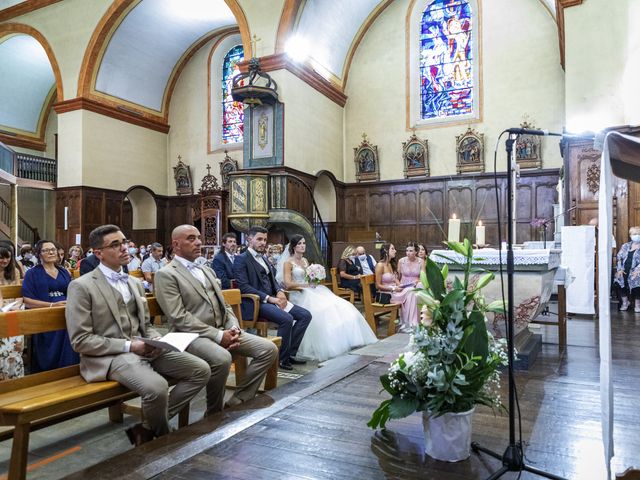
x=452, y=297
x=380, y=416
x=449, y=259
x=484, y=281
x=386, y=383
x=434, y=277
x=402, y=407
x=497, y=306
x=477, y=343
x=445, y=272
x=459, y=248
x=423, y=279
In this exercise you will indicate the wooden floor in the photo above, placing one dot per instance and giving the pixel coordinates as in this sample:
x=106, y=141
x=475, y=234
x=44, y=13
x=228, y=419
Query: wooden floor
x=315, y=427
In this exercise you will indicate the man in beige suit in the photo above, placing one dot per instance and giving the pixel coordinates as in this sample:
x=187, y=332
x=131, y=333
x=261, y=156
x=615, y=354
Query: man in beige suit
x=190, y=297
x=106, y=311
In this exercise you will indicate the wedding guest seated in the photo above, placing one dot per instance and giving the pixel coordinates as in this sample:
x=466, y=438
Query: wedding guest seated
x=254, y=274
x=26, y=257
x=273, y=253
x=105, y=313
x=348, y=272
x=11, y=363
x=387, y=282
x=152, y=264
x=45, y=286
x=422, y=255
x=62, y=256
x=366, y=262
x=409, y=267
x=134, y=258
x=336, y=326
x=627, y=277
x=222, y=262
x=75, y=254
x=191, y=299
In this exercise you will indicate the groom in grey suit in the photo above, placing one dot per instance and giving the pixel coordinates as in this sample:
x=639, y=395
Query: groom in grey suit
x=106, y=310
x=190, y=297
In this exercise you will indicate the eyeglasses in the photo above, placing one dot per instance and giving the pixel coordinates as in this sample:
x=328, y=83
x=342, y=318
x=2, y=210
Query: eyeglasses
x=49, y=250
x=116, y=244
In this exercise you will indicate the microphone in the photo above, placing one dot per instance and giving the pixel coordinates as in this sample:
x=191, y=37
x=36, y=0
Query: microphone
x=531, y=131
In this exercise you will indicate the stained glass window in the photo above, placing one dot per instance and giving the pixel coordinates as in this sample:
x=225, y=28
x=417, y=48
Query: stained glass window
x=232, y=112
x=446, y=59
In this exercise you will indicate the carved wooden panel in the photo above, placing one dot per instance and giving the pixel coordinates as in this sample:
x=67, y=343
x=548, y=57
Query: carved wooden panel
x=380, y=204
x=404, y=206
x=418, y=209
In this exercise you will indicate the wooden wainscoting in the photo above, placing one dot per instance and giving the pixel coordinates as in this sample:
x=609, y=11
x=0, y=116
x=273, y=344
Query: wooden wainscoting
x=417, y=209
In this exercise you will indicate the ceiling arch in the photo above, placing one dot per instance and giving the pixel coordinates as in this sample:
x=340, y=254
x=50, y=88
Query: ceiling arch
x=140, y=46
x=29, y=81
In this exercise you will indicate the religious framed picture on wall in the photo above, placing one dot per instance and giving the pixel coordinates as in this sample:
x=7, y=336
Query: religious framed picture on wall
x=227, y=166
x=366, y=160
x=182, y=176
x=529, y=149
x=470, y=151
x=415, y=154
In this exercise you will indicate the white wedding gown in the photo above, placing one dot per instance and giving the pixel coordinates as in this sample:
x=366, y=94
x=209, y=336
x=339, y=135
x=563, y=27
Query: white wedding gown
x=336, y=325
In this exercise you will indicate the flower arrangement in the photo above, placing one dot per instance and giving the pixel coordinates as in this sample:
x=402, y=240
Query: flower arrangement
x=538, y=222
x=315, y=273
x=453, y=362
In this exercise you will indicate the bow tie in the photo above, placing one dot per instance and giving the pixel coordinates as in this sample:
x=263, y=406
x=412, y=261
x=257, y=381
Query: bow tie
x=119, y=277
x=192, y=266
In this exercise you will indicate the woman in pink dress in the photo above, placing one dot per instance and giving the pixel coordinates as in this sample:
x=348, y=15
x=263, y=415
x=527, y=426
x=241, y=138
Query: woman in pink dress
x=387, y=281
x=409, y=267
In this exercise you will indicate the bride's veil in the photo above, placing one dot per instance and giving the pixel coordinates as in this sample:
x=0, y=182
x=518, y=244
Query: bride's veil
x=280, y=266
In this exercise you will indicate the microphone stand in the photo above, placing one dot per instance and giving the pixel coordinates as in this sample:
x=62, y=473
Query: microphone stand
x=546, y=222
x=513, y=457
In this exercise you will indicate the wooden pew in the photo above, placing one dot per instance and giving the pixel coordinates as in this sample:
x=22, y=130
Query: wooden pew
x=11, y=291
x=373, y=310
x=46, y=398
x=345, y=293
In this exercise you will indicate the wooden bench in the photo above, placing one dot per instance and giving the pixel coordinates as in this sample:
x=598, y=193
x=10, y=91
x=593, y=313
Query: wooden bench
x=11, y=291
x=345, y=293
x=373, y=310
x=46, y=398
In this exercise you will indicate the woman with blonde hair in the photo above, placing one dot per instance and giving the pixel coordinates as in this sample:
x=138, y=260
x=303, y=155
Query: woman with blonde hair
x=348, y=272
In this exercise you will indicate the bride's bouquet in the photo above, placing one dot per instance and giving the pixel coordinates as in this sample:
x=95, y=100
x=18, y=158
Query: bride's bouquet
x=315, y=273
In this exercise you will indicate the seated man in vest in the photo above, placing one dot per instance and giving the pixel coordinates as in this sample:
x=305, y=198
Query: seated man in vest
x=106, y=314
x=191, y=299
x=367, y=264
x=222, y=263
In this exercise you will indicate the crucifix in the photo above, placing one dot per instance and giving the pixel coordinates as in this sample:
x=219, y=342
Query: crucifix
x=254, y=46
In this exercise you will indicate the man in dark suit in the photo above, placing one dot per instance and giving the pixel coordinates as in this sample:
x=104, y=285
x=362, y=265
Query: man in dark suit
x=222, y=263
x=254, y=274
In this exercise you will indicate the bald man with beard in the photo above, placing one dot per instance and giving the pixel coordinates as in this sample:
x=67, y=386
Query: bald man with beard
x=190, y=297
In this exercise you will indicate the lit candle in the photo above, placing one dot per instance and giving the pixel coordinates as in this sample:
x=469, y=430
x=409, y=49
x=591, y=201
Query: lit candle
x=454, y=229
x=480, y=234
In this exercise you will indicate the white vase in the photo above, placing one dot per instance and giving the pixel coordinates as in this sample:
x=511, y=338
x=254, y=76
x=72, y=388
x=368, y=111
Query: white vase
x=448, y=437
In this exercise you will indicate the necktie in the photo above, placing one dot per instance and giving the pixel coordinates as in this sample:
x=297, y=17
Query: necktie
x=119, y=277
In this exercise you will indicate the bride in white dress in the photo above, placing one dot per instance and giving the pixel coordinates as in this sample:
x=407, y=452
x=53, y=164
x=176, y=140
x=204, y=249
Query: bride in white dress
x=336, y=325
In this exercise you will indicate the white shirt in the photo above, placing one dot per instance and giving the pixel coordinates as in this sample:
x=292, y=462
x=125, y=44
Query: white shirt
x=122, y=287
x=193, y=268
x=365, y=265
x=197, y=272
x=259, y=258
x=200, y=261
x=151, y=265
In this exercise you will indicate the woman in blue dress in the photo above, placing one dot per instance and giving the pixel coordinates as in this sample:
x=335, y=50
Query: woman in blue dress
x=45, y=286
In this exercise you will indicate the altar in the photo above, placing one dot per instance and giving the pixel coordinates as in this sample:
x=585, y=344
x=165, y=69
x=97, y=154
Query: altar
x=535, y=271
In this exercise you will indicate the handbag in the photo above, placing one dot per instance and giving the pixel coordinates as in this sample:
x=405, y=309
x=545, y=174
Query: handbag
x=383, y=298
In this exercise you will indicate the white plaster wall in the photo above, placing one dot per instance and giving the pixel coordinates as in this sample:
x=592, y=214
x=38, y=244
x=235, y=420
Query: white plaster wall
x=143, y=208
x=521, y=74
x=188, y=120
x=68, y=27
x=596, y=54
x=324, y=194
x=70, y=141
x=263, y=18
x=49, y=134
x=119, y=155
x=312, y=127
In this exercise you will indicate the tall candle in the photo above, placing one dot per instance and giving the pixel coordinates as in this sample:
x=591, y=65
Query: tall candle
x=454, y=229
x=480, y=233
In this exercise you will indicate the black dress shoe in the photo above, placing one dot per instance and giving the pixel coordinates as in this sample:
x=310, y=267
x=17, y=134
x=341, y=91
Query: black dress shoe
x=285, y=366
x=294, y=361
x=138, y=435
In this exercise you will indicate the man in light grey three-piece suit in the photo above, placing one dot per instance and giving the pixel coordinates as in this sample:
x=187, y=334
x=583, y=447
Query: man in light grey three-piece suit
x=190, y=297
x=106, y=310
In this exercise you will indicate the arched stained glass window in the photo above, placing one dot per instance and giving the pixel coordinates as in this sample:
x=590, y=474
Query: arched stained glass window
x=446, y=60
x=232, y=112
